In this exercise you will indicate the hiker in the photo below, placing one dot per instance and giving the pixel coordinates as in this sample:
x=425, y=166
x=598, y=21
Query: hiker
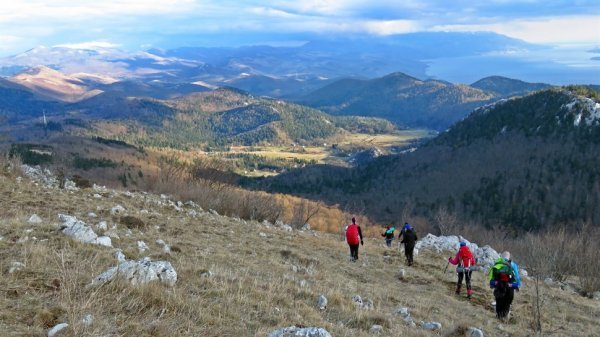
x=354, y=237
x=389, y=235
x=409, y=240
x=503, y=281
x=406, y=227
x=464, y=260
x=515, y=268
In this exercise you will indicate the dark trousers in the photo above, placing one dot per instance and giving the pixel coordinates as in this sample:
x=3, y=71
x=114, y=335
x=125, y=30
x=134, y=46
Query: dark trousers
x=388, y=242
x=353, y=252
x=504, y=297
x=408, y=251
x=467, y=276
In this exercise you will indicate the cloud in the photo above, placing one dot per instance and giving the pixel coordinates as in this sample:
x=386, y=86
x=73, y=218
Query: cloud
x=137, y=22
x=89, y=45
x=561, y=30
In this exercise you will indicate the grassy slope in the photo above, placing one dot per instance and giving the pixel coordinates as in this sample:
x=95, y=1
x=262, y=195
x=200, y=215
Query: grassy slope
x=253, y=290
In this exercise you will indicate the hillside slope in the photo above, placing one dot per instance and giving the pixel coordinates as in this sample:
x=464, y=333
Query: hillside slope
x=234, y=277
x=400, y=98
x=526, y=162
x=506, y=87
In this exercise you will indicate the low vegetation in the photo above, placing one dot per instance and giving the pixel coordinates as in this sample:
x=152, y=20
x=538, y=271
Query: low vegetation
x=234, y=278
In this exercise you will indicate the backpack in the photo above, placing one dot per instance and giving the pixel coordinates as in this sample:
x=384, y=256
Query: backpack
x=503, y=272
x=352, y=235
x=465, y=257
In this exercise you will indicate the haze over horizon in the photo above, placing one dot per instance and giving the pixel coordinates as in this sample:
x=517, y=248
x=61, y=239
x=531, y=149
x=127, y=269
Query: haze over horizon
x=567, y=32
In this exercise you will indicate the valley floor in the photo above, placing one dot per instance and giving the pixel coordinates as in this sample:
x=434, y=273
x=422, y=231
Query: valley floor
x=235, y=277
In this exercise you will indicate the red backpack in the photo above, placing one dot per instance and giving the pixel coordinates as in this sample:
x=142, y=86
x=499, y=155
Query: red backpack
x=466, y=257
x=352, y=235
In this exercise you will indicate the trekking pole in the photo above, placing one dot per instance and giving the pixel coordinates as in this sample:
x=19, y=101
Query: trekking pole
x=447, y=264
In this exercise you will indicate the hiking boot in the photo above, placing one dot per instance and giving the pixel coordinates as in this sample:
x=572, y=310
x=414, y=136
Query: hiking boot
x=469, y=296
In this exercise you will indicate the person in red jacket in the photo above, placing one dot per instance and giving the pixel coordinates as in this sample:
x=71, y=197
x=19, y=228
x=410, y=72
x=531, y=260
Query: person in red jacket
x=464, y=261
x=354, y=237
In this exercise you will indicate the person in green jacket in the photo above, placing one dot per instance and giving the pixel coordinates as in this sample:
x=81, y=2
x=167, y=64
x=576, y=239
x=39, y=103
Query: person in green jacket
x=389, y=235
x=503, y=281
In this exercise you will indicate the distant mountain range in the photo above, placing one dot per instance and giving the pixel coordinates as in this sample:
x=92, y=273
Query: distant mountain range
x=397, y=97
x=290, y=71
x=526, y=162
x=411, y=102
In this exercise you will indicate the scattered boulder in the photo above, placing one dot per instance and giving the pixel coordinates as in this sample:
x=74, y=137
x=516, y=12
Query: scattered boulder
x=305, y=227
x=206, y=273
x=262, y=235
x=56, y=329
x=142, y=246
x=34, y=219
x=322, y=302
x=87, y=320
x=293, y=331
x=596, y=295
x=80, y=231
x=15, y=267
x=102, y=225
x=473, y=332
x=140, y=272
x=92, y=215
x=132, y=222
x=118, y=254
x=117, y=210
x=402, y=274
x=366, y=304
x=431, y=326
x=375, y=329
x=166, y=248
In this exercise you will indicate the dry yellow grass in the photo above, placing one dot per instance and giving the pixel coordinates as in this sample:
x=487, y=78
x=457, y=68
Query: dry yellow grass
x=258, y=283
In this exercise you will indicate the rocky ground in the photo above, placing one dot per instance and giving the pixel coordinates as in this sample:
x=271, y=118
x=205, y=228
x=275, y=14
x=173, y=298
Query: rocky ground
x=101, y=262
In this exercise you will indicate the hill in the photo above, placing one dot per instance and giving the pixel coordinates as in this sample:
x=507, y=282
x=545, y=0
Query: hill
x=506, y=87
x=226, y=276
x=402, y=99
x=54, y=85
x=527, y=162
x=222, y=117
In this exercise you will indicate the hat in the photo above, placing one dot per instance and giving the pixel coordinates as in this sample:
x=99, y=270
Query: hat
x=462, y=243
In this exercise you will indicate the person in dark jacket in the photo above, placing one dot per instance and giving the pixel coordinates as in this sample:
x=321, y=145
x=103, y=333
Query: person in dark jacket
x=409, y=241
x=389, y=235
x=354, y=237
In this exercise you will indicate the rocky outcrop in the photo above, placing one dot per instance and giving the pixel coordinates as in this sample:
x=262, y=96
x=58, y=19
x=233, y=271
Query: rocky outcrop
x=300, y=332
x=140, y=272
x=81, y=231
x=485, y=255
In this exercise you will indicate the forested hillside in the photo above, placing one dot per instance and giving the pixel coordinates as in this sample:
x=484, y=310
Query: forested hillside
x=402, y=99
x=526, y=162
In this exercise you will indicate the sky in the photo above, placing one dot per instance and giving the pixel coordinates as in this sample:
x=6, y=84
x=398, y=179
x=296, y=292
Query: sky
x=141, y=24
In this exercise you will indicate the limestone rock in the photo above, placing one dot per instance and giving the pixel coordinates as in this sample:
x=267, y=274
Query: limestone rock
x=402, y=274
x=322, y=302
x=431, y=326
x=142, y=247
x=92, y=215
x=102, y=225
x=34, y=219
x=293, y=331
x=473, y=332
x=375, y=329
x=15, y=267
x=80, y=231
x=56, y=329
x=117, y=210
x=485, y=255
x=140, y=272
x=87, y=320
x=118, y=254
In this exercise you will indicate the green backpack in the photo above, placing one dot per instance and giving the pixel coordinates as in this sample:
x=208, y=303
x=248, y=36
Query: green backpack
x=503, y=272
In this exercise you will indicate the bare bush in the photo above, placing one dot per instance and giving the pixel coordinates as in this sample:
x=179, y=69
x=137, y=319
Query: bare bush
x=303, y=212
x=446, y=222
